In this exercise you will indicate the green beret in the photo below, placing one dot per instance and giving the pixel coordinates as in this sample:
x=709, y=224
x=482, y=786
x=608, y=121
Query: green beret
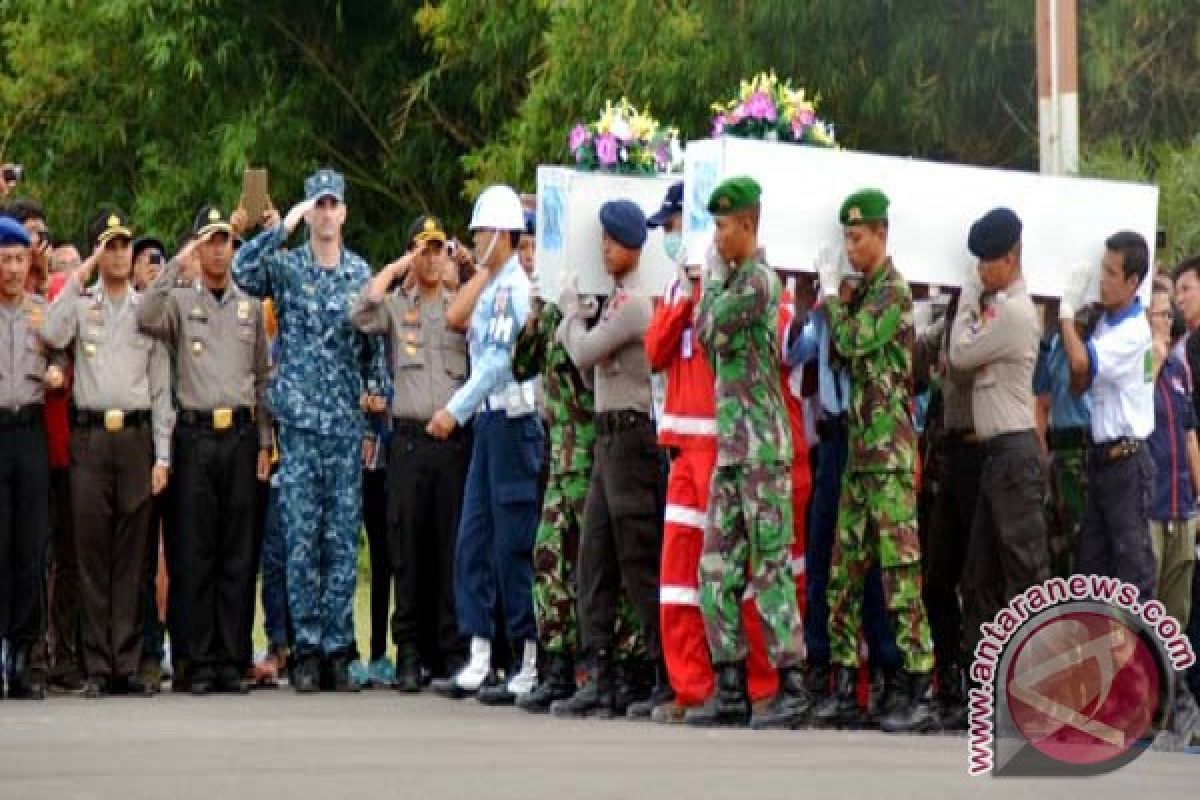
x=865, y=205
x=734, y=194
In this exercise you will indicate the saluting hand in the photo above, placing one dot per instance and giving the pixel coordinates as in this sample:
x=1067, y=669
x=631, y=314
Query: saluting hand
x=298, y=213
x=83, y=275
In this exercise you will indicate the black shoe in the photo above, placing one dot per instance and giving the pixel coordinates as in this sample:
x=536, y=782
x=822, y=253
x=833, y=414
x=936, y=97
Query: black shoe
x=916, y=714
x=634, y=682
x=729, y=706
x=791, y=706
x=95, y=687
x=306, y=674
x=661, y=694
x=230, y=680
x=884, y=695
x=67, y=680
x=840, y=709
x=202, y=681
x=339, y=673
x=496, y=695
x=408, y=671
x=595, y=698
x=818, y=678
x=557, y=683
x=24, y=683
x=951, y=699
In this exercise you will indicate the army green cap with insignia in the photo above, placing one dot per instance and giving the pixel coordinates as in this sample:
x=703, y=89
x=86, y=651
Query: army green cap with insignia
x=209, y=219
x=107, y=224
x=733, y=195
x=865, y=205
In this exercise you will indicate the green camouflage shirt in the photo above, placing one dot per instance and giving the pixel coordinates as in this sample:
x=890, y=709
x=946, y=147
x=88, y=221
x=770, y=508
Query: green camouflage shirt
x=874, y=337
x=736, y=323
x=570, y=404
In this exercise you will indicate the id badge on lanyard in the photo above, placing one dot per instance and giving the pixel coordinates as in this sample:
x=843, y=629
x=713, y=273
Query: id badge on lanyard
x=686, y=344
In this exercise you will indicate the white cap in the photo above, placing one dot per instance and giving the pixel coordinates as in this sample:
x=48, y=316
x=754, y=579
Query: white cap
x=498, y=208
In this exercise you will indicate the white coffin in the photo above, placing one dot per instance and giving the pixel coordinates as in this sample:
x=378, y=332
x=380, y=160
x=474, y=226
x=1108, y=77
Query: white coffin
x=568, y=230
x=1066, y=220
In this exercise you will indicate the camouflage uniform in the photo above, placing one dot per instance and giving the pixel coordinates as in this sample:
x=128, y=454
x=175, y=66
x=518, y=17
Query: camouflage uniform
x=324, y=367
x=748, y=533
x=877, y=521
x=570, y=405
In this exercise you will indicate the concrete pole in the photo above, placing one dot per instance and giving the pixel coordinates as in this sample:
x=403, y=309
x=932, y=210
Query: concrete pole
x=1058, y=87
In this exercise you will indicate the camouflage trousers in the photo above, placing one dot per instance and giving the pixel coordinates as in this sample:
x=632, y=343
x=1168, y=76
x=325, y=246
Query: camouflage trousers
x=320, y=503
x=555, y=560
x=1064, y=507
x=877, y=523
x=747, y=541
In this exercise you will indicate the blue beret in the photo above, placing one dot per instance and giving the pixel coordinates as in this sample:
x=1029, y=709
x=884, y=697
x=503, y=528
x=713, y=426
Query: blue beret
x=994, y=234
x=624, y=221
x=13, y=232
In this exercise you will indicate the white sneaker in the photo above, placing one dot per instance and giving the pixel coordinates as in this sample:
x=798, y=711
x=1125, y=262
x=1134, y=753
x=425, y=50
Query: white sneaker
x=526, y=678
x=472, y=676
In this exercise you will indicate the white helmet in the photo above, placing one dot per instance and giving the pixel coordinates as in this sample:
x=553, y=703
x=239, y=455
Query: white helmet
x=498, y=208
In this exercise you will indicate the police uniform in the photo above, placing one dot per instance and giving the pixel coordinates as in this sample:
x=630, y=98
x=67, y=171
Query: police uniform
x=324, y=367
x=621, y=543
x=425, y=475
x=996, y=335
x=121, y=428
x=219, y=346
x=24, y=474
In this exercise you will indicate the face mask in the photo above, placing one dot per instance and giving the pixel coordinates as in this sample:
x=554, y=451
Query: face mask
x=673, y=244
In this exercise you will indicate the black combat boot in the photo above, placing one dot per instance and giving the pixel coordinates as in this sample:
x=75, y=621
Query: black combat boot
x=202, y=681
x=660, y=694
x=729, y=705
x=885, y=695
x=595, y=698
x=951, y=698
x=23, y=681
x=915, y=714
x=306, y=673
x=818, y=679
x=339, y=674
x=408, y=670
x=557, y=683
x=633, y=680
x=840, y=709
x=791, y=706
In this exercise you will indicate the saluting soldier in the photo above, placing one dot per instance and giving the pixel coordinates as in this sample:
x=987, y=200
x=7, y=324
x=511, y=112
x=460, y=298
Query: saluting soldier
x=426, y=475
x=120, y=448
x=222, y=443
x=27, y=369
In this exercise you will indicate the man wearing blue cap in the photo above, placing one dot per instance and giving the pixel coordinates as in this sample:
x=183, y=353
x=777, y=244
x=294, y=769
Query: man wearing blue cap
x=24, y=464
x=622, y=539
x=325, y=366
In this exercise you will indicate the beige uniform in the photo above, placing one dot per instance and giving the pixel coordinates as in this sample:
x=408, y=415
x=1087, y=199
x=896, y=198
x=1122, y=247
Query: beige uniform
x=429, y=359
x=24, y=357
x=117, y=367
x=219, y=346
x=614, y=348
x=996, y=338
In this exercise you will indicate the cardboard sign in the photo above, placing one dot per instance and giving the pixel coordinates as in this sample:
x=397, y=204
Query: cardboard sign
x=933, y=205
x=254, y=193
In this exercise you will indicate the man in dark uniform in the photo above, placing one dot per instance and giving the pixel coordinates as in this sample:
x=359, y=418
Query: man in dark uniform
x=222, y=440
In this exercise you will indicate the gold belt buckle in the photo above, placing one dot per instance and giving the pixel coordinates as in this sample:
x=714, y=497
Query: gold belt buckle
x=222, y=419
x=114, y=420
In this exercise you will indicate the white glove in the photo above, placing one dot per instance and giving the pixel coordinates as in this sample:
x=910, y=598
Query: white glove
x=297, y=213
x=827, y=269
x=971, y=282
x=715, y=268
x=568, y=297
x=1075, y=291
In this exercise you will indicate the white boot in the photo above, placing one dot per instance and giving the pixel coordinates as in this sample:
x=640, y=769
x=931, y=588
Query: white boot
x=524, y=680
x=472, y=676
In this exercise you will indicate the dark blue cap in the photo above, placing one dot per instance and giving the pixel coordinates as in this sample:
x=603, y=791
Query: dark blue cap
x=994, y=234
x=530, y=223
x=13, y=232
x=624, y=221
x=672, y=204
x=325, y=182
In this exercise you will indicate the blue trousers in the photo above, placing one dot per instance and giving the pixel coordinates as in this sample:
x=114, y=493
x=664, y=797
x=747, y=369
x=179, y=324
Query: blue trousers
x=320, y=503
x=822, y=525
x=499, y=518
x=274, y=572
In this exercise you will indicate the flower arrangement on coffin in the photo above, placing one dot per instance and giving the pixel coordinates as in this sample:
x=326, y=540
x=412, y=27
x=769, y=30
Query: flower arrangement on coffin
x=768, y=108
x=625, y=140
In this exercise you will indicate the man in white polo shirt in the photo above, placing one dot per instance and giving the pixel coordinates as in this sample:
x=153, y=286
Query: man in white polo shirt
x=1116, y=364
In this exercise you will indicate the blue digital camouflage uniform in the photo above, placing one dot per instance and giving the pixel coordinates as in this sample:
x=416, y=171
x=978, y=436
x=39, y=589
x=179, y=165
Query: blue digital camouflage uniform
x=500, y=504
x=324, y=366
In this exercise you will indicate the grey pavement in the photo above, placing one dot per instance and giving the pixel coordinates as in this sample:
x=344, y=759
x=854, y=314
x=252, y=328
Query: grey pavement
x=278, y=745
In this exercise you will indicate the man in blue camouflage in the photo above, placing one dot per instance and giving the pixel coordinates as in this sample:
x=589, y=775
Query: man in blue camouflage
x=325, y=366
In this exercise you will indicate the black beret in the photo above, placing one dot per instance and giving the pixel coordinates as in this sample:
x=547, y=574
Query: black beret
x=994, y=234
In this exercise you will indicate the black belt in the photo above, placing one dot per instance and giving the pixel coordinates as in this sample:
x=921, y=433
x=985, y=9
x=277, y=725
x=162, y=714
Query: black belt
x=609, y=422
x=831, y=425
x=25, y=416
x=218, y=419
x=415, y=429
x=112, y=420
x=1066, y=438
x=1116, y=449
x=961, y=437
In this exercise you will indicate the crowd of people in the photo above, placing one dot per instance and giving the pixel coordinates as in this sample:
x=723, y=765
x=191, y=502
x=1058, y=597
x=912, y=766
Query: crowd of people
x=757, y=498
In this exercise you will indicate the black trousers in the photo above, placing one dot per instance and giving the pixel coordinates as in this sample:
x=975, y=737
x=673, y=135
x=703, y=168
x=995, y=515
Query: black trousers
x=944, y=549
x=374, y=504
x=110, y=503
x=1114, y=539
x=24, y=532
x=64, y=584
x=426, y=480
x=217, y=497
x=162, y=515
x=1007, y=552
x=621, y=544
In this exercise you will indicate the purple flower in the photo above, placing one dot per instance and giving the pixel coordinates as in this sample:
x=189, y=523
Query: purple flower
x=718, y=125
x=606, y=149
x=579, y=137
x=760, y=106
